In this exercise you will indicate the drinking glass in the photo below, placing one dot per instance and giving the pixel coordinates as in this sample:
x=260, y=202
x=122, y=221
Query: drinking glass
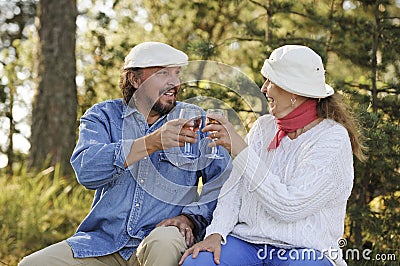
x=215, y=154
x=194, y=122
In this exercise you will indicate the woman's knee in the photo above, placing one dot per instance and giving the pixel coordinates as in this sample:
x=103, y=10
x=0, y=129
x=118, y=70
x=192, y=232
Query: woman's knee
x=305, y=257
x=204, y=258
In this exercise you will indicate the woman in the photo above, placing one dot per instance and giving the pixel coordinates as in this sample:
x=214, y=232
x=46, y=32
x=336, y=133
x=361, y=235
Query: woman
x=285, y=201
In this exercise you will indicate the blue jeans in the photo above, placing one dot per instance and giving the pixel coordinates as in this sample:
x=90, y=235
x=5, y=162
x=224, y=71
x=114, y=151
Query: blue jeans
x=237, y=252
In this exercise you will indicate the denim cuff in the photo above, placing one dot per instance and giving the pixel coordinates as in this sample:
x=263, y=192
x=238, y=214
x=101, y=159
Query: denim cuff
x=122, y=149
x=200, y=224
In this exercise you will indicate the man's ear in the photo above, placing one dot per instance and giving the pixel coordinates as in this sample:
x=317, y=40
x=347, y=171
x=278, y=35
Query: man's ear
x=134, y=80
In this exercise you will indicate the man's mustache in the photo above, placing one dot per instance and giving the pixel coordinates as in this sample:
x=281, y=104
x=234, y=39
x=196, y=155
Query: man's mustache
x=174, y=89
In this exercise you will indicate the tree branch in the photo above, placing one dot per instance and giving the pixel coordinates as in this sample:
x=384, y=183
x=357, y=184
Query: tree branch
x=242, y=39
x=259, y=4
x=391, y=18
x=387, y=89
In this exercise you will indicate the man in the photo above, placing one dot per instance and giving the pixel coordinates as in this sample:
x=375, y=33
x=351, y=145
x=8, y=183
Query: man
x=146, y=209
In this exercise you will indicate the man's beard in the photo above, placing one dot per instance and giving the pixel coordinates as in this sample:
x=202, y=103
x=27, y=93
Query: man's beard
x=163, y=109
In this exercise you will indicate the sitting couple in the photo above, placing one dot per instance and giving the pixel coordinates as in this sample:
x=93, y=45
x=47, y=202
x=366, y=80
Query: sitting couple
x=281, y=201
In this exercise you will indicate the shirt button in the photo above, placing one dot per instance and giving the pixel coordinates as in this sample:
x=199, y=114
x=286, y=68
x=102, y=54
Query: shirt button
x=137, y=204
x=130, y=228
x=145, y=158
x=141, y=181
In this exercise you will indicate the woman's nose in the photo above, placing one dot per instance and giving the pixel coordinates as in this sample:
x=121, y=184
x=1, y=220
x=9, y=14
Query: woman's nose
x=264, y=87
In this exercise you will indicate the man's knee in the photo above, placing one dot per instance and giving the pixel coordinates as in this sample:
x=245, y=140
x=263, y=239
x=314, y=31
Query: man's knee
x=163, y=244
x=34, y=259
x=53, y=255
x=167, y=236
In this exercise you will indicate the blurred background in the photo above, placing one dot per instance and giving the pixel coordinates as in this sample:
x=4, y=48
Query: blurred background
x=57, y=58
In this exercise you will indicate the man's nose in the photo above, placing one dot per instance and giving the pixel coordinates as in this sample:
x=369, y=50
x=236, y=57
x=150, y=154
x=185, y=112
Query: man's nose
x=174, y=80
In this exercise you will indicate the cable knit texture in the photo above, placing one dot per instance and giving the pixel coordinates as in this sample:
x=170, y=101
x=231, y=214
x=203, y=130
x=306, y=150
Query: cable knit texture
x=294, y=196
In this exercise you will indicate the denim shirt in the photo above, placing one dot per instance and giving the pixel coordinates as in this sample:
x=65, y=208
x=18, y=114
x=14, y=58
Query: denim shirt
x=129, y=202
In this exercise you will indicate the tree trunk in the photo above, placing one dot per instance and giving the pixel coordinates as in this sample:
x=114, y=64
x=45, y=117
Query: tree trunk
x=55, y=106
x=11, y=131
x=374, y=65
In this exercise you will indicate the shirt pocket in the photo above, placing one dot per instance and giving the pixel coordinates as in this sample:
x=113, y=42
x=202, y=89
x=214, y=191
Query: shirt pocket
x=177, y=169
x=119, y=179
x=117, y=195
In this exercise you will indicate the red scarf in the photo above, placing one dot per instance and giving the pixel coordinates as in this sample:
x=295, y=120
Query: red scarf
x=298, y=118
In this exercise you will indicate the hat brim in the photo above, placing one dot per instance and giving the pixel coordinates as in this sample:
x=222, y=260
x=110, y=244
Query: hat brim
x=275, y=78
x=132, y=64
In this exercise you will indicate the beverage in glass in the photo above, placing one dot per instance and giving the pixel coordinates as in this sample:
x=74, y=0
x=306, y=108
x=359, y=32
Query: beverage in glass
x=215, y=154
x=194, y=122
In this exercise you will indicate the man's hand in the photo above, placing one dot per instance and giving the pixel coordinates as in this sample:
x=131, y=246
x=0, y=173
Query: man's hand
x=171, y=134
x=212, y=243
x=184, y=225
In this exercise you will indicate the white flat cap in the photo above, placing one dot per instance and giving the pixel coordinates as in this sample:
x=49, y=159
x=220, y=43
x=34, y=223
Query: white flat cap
x=152, y=54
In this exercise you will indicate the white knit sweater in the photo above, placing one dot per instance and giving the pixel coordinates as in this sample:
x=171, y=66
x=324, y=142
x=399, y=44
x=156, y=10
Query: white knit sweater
x=294, y=196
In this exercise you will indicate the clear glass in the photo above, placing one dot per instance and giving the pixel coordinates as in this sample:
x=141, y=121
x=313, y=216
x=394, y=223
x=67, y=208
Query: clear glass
x=215, y=154
x=194, y=123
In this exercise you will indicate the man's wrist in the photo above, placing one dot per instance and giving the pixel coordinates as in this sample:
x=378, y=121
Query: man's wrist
x=150, y=144
x=190, y=220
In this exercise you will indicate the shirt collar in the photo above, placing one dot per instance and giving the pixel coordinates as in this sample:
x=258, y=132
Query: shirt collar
x=127, y=110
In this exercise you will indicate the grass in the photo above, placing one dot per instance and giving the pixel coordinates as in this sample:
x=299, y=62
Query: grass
x=38, y=209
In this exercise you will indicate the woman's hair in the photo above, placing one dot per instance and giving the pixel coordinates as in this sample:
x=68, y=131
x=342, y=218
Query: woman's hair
x=125, y=84
x=334, y=108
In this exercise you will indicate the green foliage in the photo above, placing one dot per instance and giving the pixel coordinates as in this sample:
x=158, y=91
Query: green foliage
x=38, y=209
x=373, y=209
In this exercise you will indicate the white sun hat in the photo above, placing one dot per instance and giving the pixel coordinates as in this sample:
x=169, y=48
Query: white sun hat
x=153, y=54
x=297, y=69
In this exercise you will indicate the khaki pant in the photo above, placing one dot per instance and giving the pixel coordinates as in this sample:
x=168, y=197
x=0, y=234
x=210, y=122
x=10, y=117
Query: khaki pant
x=163, y=246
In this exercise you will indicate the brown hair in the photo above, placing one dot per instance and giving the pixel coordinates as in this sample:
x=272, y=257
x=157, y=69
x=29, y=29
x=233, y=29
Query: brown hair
x=333, y=107
x=125, y=83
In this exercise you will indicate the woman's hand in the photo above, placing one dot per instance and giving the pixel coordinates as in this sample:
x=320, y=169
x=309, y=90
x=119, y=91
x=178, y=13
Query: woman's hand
x=225, y=135
x=212, y=243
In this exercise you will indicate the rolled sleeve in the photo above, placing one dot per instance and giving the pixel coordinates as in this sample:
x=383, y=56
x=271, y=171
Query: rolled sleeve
x=121, y=151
